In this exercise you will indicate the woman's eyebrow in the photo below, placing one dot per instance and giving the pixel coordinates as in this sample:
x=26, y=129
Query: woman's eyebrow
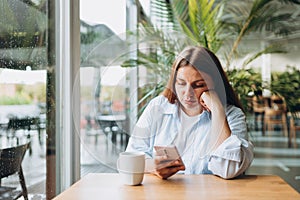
x=199, y=80
x=180, y=79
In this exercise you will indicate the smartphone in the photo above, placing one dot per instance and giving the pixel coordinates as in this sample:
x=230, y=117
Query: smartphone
x=171, y=154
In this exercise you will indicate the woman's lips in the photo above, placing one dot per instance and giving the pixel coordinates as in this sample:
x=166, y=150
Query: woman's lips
x=189, y=101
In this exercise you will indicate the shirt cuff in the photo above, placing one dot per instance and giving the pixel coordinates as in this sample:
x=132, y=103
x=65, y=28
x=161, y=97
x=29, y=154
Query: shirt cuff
x=230, y=149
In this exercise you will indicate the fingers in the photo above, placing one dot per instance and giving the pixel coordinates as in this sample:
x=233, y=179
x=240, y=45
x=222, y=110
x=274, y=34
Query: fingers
x=166, y=166
x=166, y=172
x=205, y=100
x=205, y=107
x=207, y=94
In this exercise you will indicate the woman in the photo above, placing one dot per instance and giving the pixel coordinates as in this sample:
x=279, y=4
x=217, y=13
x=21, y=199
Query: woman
x=200, y=114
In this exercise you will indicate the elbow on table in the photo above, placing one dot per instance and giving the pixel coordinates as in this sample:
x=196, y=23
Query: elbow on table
x=229, y=173
x=228, y=169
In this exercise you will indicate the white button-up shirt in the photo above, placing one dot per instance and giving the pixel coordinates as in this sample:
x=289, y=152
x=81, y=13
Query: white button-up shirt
x=160, y=125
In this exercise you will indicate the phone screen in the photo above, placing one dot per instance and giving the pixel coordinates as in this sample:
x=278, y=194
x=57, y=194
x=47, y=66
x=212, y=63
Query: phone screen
x=171, y=154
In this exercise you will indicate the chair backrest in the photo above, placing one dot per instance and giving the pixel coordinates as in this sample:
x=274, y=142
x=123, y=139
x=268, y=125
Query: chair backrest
x=278, y=103
x=258, y=103
x=23, y=123
x=274, y=113
x=11, y=159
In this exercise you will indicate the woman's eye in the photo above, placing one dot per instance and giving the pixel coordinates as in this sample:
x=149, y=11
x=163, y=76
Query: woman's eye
x=180, y=83
x=198, y=85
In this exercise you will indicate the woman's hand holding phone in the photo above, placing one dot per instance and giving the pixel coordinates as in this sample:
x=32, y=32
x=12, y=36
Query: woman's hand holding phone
x=167, y=161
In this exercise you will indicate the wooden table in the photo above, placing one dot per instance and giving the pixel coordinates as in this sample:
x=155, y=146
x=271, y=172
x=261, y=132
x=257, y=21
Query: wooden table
x=108, y=186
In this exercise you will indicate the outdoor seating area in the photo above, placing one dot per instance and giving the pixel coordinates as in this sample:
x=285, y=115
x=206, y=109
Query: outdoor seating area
x=18, y=122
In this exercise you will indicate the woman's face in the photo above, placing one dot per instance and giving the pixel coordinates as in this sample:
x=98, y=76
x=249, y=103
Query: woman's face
x=189, y=86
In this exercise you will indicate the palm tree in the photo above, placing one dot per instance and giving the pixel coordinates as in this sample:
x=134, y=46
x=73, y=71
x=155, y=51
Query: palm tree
x=219, y=24
x=201, y=21
x=271, y=16
x=214, y=24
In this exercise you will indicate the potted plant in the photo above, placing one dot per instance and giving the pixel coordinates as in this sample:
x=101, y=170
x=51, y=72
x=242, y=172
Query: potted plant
x=246, y=83
x=287, y=84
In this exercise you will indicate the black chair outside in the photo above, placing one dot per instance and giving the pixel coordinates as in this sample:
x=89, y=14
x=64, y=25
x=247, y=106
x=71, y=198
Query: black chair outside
x=10, y=164
x=25, y=124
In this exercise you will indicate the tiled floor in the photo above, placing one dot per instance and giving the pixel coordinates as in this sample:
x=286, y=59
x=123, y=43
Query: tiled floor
x=272, y=156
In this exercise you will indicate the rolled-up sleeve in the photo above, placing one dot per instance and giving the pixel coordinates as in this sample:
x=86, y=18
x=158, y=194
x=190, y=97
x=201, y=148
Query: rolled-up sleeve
x=231, y=158
x=235, y=154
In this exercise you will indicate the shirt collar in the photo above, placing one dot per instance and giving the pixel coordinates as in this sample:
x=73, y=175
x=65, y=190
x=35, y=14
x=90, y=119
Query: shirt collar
x=172, y=109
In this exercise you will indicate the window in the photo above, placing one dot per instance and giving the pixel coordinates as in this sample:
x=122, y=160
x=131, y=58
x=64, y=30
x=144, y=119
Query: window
x=23, y=64
x=104, y=85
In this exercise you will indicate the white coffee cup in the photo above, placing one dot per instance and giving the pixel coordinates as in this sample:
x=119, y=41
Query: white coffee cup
x=131, y=167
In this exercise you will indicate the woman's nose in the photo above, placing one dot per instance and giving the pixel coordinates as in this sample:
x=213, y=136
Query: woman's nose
x=189, y=90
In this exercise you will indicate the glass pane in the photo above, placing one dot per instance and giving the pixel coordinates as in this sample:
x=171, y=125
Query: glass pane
x=23, y=62
x=104, y=116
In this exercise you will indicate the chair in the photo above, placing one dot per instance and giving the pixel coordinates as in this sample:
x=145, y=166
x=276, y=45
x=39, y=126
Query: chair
x=25, y=124
x=276, y=115
x=113, y=128
x=259, y=104
x=10, y=164
x=294, y=126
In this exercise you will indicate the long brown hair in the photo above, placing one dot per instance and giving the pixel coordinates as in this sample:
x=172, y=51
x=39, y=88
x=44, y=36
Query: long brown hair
x=206, y=61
